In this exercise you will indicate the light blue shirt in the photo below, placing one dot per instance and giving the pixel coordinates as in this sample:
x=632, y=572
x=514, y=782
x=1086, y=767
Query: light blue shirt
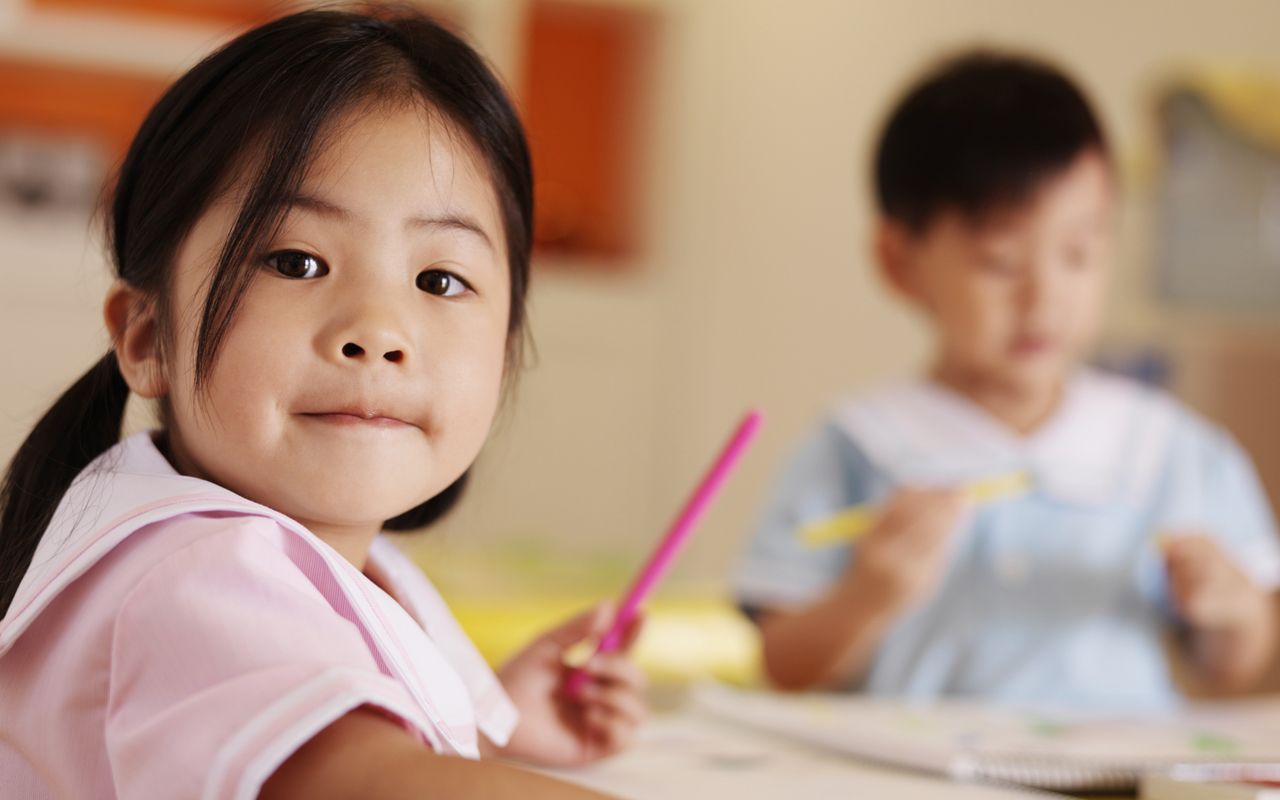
x=1053, y=598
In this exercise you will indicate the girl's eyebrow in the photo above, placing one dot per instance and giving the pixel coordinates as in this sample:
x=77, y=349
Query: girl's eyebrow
x=458, y=222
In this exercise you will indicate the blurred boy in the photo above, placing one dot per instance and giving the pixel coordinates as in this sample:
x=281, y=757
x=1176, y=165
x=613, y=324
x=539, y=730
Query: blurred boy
x=996, y=195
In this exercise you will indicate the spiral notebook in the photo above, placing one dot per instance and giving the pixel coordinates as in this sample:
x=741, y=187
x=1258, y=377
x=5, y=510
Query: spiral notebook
x=968, y=741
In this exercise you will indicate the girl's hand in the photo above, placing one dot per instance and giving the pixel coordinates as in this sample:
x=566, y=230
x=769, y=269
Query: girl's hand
x=556, y=730
x=900, y=559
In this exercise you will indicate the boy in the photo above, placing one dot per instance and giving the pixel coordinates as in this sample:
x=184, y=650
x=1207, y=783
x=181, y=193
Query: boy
x=995, y=193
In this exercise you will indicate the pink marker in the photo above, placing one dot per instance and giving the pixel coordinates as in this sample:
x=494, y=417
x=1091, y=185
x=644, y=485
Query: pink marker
x=671, y=543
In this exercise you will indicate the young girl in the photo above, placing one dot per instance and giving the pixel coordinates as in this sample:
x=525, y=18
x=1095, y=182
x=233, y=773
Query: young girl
x=322, y=237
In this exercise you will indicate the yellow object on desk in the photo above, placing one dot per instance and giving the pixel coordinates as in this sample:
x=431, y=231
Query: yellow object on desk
x=852, y=523
x=504, y=596
x=683, y=639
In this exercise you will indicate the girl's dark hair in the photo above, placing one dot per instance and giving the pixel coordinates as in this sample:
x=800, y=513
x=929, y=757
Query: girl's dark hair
x=981, y=130
x=260, y=105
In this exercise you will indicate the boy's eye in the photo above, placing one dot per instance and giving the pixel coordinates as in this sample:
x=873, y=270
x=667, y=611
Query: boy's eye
x=297, y=264
x=1000, y=265
x=441, y=283
x=1077, y=257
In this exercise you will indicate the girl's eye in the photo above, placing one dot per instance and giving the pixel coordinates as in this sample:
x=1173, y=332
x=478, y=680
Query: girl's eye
x=441, y=283
x=297, y=264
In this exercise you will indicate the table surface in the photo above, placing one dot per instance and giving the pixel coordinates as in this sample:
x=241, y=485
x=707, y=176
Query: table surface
x=686, y=754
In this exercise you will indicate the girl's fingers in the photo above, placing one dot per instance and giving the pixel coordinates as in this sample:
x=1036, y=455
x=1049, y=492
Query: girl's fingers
x=611, y=732
x=616, y=669
x=615, y=701
x=632, y=632
x=577, y=631
x=592, y=622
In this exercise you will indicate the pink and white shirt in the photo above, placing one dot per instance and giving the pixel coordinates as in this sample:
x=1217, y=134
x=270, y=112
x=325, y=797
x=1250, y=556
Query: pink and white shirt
x=173, y=639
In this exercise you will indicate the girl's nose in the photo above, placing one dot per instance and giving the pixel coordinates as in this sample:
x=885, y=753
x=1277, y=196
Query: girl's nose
x=367, y=333
x=355, y=351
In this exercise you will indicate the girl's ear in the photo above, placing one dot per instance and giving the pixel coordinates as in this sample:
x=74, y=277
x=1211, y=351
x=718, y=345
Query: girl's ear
x=893, y=256
x=131, y=321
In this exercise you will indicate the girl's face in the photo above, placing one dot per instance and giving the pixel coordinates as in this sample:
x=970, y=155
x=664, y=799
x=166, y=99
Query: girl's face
x=364, y=366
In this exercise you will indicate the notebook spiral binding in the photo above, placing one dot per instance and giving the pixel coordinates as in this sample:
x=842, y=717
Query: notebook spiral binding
x=1051, y=774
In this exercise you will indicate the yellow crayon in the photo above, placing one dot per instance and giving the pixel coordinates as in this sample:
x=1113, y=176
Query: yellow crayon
x=848, y=525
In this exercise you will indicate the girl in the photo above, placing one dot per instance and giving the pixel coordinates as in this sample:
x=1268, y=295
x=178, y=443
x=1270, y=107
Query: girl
x=322, y=236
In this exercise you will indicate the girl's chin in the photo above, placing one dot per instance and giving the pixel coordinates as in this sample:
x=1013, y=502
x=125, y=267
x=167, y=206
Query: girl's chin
x=353, y=504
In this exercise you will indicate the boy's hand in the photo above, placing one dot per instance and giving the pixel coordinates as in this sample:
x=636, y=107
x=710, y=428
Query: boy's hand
x=1233, y=618
x=559, y=731
x=900, y=559
x=1209, y=591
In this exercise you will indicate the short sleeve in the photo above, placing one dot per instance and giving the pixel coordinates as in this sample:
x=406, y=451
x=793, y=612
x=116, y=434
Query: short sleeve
x=496, y=714
x=225, y=659
x=825, y=474
x=1238, y=512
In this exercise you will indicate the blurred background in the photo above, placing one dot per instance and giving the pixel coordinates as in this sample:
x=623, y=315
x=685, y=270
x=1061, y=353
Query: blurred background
x=703, y=242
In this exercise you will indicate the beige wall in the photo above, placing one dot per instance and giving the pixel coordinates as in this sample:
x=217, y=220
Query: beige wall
x=759, y=291
x=755, y=288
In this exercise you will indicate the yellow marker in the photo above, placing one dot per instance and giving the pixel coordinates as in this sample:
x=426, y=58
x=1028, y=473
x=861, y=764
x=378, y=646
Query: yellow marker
x=848, y=525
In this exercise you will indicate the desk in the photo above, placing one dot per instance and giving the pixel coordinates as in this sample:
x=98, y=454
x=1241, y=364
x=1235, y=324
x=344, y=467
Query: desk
x=686, y=755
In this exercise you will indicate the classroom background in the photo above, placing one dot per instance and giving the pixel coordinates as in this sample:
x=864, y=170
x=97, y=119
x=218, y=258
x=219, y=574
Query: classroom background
x=703, y=244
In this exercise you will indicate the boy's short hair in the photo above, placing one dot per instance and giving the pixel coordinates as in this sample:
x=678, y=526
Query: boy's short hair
x=979, y=131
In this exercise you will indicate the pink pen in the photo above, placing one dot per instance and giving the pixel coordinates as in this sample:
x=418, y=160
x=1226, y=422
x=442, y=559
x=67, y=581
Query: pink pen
x=670, y=545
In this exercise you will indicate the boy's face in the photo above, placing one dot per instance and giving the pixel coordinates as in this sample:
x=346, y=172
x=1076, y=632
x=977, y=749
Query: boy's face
x=1015, y=298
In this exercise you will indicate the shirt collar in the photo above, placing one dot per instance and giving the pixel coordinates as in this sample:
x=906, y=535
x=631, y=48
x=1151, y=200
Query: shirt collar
x=130, y=485
x=133, y=485
x=1103, y=444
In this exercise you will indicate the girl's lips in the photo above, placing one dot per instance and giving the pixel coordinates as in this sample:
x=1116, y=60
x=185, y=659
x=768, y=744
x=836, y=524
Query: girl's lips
x=346, y=419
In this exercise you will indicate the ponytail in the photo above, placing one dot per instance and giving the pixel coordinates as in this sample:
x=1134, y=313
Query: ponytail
x=83, y=423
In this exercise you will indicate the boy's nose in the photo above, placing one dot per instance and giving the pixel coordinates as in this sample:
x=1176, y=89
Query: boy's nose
x=1039, y=286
